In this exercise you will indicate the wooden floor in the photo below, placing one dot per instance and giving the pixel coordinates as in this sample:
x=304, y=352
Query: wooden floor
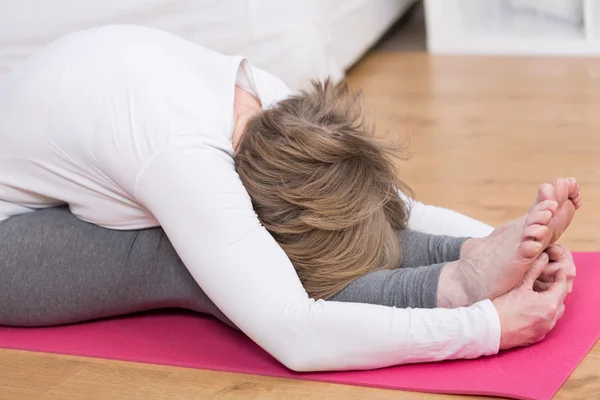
x=485, y=133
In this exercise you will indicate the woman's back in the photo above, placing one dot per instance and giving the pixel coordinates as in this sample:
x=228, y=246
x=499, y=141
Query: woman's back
x=79, y=119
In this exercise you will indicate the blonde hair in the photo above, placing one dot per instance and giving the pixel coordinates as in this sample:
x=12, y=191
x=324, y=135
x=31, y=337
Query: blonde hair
x=321, y=184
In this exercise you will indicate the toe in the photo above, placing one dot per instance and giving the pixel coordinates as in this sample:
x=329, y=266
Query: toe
x=530, y=249
x=555, y=251
x=541, y=217
x=561, y=187
x=535, y=232
x=545, y=192
x=573, y=187
x=550, y=205
x=574, y=192
x=577, y=201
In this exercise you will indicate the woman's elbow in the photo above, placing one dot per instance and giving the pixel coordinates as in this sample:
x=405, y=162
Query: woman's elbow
x=299, y=359
x=294, y=339
x=295, y=351
x=302, y=353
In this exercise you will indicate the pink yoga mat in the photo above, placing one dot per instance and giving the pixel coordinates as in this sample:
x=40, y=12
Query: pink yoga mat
x=188, y=340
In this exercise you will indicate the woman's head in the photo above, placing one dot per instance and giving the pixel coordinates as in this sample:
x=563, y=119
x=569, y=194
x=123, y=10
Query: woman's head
x=323, y=187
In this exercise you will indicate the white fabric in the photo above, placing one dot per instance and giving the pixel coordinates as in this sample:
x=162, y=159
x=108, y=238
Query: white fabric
x=441, y=221
x=295, y=40
x=132, y=128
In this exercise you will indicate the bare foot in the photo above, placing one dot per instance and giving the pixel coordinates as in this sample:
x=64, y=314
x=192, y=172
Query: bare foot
x=568, y=195
x=498, y=263
x=565, y=192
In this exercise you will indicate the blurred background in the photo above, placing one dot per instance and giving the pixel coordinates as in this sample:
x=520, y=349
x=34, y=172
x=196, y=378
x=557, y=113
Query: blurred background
x=299, y=40
x=296, y=40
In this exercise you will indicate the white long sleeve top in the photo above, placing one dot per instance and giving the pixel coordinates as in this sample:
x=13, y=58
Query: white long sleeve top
x=132, y=128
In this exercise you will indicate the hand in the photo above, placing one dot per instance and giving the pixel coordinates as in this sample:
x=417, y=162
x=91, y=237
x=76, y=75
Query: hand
x=560, y=258
x=526, y=316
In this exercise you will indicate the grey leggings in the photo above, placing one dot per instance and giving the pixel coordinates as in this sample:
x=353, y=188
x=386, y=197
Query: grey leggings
x=56, y=269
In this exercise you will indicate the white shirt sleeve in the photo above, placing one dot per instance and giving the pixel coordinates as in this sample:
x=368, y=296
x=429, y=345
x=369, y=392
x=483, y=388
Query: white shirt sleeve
x=196, y=195
x=442, y=221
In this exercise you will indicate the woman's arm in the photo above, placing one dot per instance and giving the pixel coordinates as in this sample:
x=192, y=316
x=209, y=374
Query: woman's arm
x=194, y=192
x=442, y=221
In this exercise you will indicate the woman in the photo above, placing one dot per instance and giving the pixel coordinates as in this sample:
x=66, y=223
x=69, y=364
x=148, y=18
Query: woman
x=134, y=128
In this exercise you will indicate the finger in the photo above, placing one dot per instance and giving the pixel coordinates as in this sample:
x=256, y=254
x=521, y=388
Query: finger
x=555, y=251
x=532, y=274
x=567, y=268
x=572, y=268
x=559, y=288
x=570, y=275
x=569, y=285
x=547, y=275
x=559, y=312
x=550, y=270
x=540, y=286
